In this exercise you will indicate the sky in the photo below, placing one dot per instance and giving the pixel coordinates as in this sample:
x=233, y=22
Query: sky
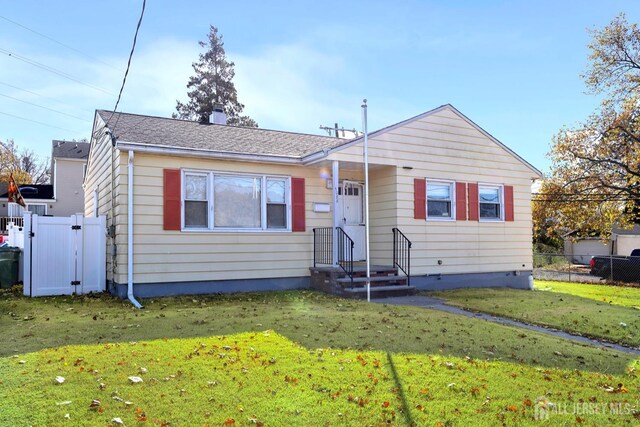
x=513, y=67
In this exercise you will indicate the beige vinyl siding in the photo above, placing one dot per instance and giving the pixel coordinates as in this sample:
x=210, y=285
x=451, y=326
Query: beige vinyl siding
x=445, y=146
x=178, y=256
x=99, y=178
x=383, y=209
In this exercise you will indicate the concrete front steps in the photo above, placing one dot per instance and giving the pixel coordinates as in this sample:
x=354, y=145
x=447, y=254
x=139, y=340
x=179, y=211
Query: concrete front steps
x=384, y=281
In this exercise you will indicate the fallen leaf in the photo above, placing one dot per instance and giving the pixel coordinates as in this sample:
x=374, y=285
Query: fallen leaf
x=59, y=379
x=66, y=402
x=117, y=421
x=135, y=380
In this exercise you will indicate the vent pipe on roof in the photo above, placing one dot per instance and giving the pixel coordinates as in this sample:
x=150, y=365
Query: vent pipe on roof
x=218, y=117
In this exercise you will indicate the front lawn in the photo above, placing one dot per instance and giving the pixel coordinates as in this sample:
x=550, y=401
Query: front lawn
x=264, y=379
x=586, y=314
x=618, y=295
x=309, y=318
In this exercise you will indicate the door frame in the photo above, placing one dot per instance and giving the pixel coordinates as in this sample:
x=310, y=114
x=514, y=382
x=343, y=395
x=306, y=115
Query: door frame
x=358, y=238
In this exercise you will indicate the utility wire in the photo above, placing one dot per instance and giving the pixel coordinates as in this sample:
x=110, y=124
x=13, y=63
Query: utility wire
x=93, y=58
x=43, y=107
x=35, y=121
x=52, y=70
x=67, y=106
x=126, y=73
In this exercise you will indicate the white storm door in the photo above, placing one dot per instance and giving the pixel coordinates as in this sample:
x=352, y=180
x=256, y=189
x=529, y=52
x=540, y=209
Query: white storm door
x=351, y=202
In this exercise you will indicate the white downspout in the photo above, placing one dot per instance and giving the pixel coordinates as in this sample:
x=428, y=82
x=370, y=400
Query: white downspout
x=130, y=232
x=335, y=170
x=366, y=195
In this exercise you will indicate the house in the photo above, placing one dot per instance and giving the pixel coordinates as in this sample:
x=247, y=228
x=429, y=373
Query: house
x=37, y=197
x=203, y=207
x=63, y=197
x=68, y=167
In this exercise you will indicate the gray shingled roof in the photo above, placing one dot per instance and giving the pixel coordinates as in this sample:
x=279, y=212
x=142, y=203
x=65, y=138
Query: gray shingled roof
x=70, y=149
x=159, y=131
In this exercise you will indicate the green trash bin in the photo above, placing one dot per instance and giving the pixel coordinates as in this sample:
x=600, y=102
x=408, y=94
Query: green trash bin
x=9, y=266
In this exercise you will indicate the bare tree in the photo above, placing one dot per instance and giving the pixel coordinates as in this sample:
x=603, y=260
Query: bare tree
x=26, y=166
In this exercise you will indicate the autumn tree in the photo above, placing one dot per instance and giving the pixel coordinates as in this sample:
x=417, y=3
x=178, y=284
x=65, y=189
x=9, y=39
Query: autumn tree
x=213, y=84
x=595, y=179
x=25, y=165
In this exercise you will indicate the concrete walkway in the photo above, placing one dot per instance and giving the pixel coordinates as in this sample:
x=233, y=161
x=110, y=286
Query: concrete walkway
x=441, y=305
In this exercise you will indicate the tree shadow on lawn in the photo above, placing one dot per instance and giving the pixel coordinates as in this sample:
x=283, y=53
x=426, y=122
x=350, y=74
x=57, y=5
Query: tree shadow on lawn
x=313, y=319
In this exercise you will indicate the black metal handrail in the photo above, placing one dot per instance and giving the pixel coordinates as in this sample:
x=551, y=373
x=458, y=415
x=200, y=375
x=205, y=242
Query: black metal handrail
x=345, y=253
x=322, y=246
x=402, y=253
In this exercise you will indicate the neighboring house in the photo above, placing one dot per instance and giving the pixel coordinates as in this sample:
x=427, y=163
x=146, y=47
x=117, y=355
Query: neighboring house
x=63, y=197
x=38, y=199
x=68, y=166
x=198, y=207
x=621, y=242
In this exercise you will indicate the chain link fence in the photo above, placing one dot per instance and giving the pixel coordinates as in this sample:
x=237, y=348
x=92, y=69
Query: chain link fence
x=586, y=268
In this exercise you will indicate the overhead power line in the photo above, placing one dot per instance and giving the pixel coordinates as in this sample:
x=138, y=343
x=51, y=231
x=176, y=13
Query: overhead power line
x=67, y=106
x=40, y=123
x=93, y=58
x=52, y=70
x=126, y=73
x=44, y=108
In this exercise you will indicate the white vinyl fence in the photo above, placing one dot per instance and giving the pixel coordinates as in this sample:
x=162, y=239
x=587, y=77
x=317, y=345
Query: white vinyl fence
x=16, y=236
x=64, y=255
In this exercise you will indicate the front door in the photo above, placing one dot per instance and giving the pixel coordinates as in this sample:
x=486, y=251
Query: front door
x=351, y=207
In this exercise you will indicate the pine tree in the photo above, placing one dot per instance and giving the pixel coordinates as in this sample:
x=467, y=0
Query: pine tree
x=213, y=84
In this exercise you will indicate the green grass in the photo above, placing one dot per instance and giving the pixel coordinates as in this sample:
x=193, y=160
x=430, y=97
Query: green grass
x=580, y=311
x=262, y=378
x=309, y=318
x=617, y=295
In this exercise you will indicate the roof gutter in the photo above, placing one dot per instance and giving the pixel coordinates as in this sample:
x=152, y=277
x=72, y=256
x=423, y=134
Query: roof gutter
x=130, y=232
x=195, y=152
x=315, y=157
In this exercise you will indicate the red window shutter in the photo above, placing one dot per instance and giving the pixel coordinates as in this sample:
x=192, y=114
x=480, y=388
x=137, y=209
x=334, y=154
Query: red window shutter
x=474, y=202
x=419, y=198
x=297, y=205
x=461, y=201
x=508, y=202
x=172, y=190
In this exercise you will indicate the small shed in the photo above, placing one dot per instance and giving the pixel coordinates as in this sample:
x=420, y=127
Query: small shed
x=582, y=249
x=621, y=242
x=625, y=240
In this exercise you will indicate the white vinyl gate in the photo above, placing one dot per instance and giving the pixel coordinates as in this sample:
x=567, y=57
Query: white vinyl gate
x=64, y=255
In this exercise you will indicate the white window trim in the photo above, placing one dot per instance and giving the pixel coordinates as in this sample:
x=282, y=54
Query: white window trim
x=452, y=184
x=210, y=199
x=500, y=188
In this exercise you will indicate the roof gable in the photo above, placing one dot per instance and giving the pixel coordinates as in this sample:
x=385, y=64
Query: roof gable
x=446, y=107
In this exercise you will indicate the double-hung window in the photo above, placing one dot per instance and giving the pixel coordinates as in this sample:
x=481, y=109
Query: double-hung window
x=196, y=200
x=225, y=201
x=440, y=199
x=490, y=202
